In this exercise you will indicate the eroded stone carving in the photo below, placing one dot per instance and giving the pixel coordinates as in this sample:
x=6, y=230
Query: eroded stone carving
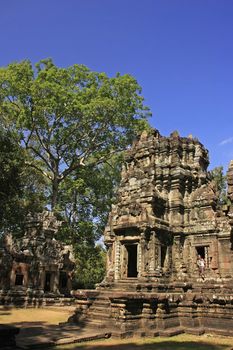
x=166, y=195
x=36, y=264
x=165, y=216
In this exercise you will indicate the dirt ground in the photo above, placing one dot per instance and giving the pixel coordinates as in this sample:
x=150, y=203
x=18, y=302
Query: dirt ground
x=47, y=318
x=45, y=315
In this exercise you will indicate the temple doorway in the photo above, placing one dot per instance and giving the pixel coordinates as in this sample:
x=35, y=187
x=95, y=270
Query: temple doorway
x=132, y=270
x=203, y=251
x=19, y=279
x=47, y=285
x=63, y=279
x=163, y=255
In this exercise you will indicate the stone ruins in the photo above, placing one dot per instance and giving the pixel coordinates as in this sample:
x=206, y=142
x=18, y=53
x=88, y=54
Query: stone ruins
x=165, y=217
x=35, y=267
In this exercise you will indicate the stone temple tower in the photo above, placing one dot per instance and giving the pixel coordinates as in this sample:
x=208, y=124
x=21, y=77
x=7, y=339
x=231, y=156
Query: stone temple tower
x=166, y=216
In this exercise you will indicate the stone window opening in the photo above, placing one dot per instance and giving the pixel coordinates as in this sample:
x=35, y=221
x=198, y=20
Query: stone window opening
x=203, y=251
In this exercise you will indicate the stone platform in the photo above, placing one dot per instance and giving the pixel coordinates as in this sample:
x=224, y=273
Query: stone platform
x=164, y=310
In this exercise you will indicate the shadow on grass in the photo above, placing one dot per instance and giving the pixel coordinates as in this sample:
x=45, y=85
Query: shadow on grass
x=39, y=331
x=161, y=345
x=5, y=311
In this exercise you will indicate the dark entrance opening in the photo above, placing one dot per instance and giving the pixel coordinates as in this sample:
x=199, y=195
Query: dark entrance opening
x=163, y=254
x=19, y=279
x=201, y=252
x=47, y=287
x=63, y=279
x=132, y=260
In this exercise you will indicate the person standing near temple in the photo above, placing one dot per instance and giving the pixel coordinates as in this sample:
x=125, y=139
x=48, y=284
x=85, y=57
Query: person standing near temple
x=201, y=266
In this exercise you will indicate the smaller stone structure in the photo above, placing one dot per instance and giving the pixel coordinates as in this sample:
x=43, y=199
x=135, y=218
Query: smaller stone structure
x=35, y=265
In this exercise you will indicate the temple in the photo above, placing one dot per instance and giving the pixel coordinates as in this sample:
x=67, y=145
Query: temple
x=167, y=214
x=36, y=267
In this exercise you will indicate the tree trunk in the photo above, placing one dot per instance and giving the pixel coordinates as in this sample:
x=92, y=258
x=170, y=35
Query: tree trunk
x=54, y=197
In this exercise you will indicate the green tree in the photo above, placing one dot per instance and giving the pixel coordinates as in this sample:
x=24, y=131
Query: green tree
x=220, y=180
x=11, y=165
x=85, y=201
x=91, y=262
x=19, y=188
x=68, y=118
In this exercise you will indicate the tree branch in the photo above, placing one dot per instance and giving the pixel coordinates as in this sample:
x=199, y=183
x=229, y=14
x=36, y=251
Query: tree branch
x=41, y=157
x=31, y=164
x=15, y=104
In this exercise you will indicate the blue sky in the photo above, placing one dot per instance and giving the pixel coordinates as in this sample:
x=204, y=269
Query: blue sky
x=180, y=51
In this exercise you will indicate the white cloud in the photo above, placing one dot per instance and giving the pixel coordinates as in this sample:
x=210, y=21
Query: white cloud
x=224, y=142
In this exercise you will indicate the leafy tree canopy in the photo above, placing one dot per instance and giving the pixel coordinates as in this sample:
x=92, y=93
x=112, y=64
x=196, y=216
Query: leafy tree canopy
x=11, y=165
x=220, y=180
x=91, y=263
x=19, y=187
x=69, y=117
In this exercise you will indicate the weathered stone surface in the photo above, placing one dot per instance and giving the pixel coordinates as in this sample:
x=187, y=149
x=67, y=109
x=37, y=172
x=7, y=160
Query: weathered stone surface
x=165, y=217
x=36, y=265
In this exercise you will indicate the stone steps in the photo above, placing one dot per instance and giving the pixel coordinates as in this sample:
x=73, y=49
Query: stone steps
x=101, y=303
x=169, y=332
x=96, y=323
x=98, y=315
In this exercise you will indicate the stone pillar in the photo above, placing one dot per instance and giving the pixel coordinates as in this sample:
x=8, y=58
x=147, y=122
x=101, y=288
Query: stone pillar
x=12, y=278
x=179, y=267
x=160, y=316
x=117, y=260
x=142, y=244
x=230, y=197
x=69, y=282
x=154, y=256
x=41, y=279
x=109, y=256
x=55, y=288
x=124, y=260
x=52, y=281
x=26, y=279
x=176, y=200
x=118, y=313
x=139, y=262
x=148, y=316
x=230, y=182
x=214, y=265
x=168, y=260
x=224, y=257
